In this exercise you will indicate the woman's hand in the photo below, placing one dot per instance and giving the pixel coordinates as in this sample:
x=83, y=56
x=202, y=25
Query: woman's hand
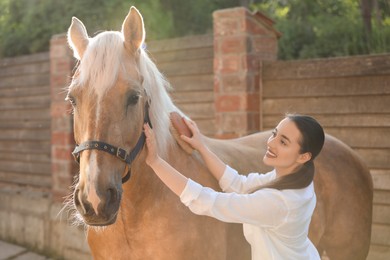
x=214, y=164
x=152, y=156
x=196, y=141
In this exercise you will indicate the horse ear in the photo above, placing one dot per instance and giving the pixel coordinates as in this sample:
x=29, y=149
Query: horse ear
x=77, y=38
x=133, y=30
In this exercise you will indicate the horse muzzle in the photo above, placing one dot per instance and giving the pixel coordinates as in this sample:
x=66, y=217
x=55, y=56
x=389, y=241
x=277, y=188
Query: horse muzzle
x=102, y=210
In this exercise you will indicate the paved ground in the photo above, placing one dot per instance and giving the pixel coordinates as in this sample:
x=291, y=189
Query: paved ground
x=14, y=252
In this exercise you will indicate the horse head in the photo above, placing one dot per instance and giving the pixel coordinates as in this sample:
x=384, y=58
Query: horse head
x=110, y=93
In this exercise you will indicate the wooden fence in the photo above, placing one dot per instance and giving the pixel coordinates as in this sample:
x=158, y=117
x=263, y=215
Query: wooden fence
x=25, y=122
x=350, y=96
x=188, y=64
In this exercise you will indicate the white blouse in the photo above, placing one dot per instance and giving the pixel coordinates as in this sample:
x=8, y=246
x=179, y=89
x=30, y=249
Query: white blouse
x=276, y=223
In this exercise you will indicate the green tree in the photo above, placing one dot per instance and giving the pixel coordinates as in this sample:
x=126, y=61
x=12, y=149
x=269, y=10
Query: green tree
x=310, y=28
x=26, y=26
x=319, y=28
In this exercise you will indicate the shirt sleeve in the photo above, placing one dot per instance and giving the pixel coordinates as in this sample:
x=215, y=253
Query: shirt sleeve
x=231, y=181
x=262, y=208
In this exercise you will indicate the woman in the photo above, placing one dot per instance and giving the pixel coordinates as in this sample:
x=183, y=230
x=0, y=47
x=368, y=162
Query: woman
x=275, y=208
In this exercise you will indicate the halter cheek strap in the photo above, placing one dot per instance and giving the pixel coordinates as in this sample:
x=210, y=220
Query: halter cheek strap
x=118, y=152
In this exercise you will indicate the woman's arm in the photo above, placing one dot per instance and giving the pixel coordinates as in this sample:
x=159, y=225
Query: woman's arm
x=169, y=175
x=262, y=208
x=213, y=163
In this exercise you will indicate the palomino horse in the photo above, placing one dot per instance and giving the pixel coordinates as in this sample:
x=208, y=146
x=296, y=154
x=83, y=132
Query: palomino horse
x=114, y=90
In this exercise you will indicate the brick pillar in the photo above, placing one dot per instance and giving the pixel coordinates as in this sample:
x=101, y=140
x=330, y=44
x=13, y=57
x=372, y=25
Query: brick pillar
x=62, y=141
x=241, y=41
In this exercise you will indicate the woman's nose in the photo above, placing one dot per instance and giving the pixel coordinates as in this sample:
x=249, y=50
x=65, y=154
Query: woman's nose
x=271, y=141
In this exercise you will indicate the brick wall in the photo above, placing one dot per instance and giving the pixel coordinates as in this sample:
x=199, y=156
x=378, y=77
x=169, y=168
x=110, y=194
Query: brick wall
x=62, y=142
x=241, y=41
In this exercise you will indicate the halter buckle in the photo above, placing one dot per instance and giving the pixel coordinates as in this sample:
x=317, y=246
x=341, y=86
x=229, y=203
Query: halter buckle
x=121, y=154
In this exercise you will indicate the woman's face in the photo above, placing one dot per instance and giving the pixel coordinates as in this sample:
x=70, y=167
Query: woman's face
x=283, y=148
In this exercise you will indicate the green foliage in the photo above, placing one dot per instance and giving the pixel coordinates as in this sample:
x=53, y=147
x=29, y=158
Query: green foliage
x=319, y=28
x=310, y=28
x=194, y=17
x=26, y=26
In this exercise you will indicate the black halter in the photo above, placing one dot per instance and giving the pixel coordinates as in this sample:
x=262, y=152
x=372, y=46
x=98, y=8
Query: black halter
x=119, y=152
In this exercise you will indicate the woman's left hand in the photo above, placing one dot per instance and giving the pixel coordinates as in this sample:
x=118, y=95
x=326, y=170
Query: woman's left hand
x=151, y=145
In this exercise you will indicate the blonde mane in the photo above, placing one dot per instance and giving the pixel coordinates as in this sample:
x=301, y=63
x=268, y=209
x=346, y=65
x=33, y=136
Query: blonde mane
x=101, y=65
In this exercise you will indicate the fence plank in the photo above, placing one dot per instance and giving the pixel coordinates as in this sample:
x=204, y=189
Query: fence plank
x=26, y=179
x=375, y=158
x=25, y=124
x=31, y=113
x=381, y=179
x=25, y=102
x=26, y=157
x=25, y=81
x=333, y=105
x=175, y=44
x=193, y=97
x=381, y=214
x=179, y=68
x=24, y=91
x=190, y=83
x=382, y=197
x=25, y=134
x=380, y=235
x=362, y=137
x=25, y=146
x=378, y=253
x=33, y=58
x=328, y=68
x=336, y=120
x=25, y=69
x=351, y=86
x=201, y=110
x=183, y=55
x=28, y=168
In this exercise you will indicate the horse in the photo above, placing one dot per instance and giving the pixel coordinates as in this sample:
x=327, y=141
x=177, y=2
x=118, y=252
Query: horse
x=115, y=89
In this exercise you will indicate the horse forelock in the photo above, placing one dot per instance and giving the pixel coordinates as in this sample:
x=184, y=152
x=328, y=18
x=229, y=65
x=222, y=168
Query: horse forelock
x=101, y=62
x=104, y=60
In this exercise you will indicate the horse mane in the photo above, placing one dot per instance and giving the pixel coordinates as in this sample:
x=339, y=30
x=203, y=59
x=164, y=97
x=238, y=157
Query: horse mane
x=100, y=67
x=161, y=104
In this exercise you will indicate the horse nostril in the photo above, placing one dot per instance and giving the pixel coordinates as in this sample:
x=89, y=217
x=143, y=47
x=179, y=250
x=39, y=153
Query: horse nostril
x=112, y=195
x=82, y=206
x=77, y=202
x=112, y=200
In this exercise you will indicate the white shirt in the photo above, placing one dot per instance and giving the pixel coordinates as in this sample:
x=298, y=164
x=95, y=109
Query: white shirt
x=275, y=223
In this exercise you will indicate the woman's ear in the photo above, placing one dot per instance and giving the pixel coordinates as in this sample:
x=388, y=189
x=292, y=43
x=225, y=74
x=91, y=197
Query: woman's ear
x=304, y=157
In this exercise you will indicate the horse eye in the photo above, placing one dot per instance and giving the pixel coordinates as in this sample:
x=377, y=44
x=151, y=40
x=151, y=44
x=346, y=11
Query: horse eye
x=133, y=99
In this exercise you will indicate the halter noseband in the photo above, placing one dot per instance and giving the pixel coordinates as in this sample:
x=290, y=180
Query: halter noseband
x=118, y=152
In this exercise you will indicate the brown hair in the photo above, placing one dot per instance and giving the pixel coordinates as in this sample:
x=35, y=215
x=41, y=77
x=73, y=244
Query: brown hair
x=313, y=138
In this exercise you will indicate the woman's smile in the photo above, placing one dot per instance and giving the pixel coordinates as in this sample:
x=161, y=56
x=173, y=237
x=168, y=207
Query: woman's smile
x=270, y=153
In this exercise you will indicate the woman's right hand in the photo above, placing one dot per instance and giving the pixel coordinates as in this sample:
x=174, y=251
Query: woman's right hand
x=214, y=164
x=196, y=141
